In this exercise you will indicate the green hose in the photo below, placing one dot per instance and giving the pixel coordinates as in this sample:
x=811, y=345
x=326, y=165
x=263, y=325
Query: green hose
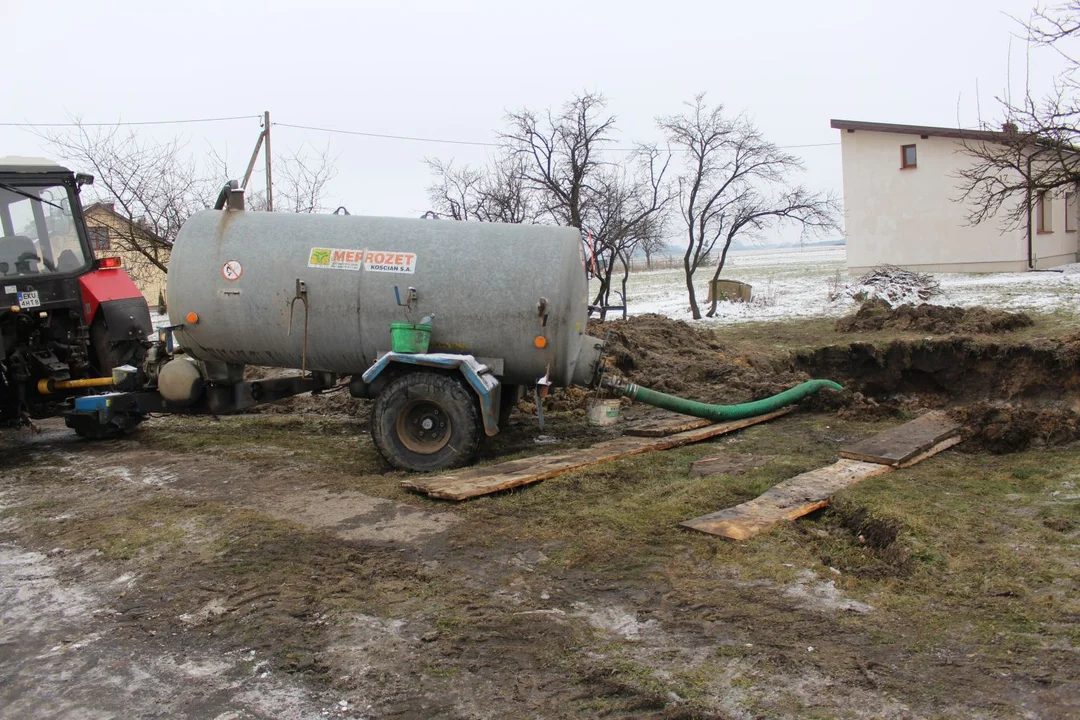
x=726, y=412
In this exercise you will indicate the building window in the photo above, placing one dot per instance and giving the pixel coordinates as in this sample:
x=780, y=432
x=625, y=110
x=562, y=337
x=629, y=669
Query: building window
x=99, y=238
x=907, y=156
x=1044, y=213
x=1070, y=212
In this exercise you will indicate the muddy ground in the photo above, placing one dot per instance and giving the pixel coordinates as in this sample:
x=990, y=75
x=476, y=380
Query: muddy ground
x=270, y=566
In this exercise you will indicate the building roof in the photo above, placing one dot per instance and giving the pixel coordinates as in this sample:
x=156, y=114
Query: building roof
x=109, y=208
x=921, y=130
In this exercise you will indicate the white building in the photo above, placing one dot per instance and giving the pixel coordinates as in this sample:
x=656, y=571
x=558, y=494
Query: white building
x=901, y=206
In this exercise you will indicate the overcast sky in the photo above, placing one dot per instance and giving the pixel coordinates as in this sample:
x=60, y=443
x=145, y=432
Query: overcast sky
x=452, y=69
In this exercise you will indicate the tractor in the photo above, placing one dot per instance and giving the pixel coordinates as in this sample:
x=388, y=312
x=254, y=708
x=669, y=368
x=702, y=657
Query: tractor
x=68, y=320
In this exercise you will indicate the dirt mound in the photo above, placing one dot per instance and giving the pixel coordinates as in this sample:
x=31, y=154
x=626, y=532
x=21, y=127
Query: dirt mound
x=851, y=405
x=334, y=402
x=1003, y=430
x=675, y=357
x=879, y=315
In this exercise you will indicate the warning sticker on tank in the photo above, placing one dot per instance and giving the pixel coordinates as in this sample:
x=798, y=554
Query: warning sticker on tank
x=232, y=270
x=372, y=260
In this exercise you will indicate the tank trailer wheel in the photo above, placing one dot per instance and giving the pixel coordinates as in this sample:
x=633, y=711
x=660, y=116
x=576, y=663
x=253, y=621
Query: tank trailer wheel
x=425, y=421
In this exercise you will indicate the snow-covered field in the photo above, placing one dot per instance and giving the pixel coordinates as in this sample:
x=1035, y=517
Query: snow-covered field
x=793, y=282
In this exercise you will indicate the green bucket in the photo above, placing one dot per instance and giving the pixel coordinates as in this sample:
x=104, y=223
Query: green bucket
x=409, y=338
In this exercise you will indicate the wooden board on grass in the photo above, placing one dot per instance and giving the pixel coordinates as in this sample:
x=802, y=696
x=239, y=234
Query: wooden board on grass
x=901, y=444
x=667, y=426
x=473, y=482
x=788, y=500
x=898, y=447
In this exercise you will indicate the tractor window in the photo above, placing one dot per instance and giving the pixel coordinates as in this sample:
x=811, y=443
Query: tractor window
x=38, y=234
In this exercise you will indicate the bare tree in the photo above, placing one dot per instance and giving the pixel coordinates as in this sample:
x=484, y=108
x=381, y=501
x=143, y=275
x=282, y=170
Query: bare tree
x=154, y=186
x=1037, y=149
x=497, y=193
x=627, y=212
x=652, y=245
x=301, y=177
x=562, y=163
x=734, y=183
x=561, y=154
x=457, y=192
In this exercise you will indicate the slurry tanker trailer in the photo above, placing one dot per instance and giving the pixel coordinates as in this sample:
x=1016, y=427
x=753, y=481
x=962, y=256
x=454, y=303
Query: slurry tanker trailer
x=443, y=324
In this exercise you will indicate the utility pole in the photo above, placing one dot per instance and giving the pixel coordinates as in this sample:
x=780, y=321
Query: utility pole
x=269, y=176
x=254, y=157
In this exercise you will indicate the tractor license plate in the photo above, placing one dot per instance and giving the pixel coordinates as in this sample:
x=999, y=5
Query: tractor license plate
x=29, y=299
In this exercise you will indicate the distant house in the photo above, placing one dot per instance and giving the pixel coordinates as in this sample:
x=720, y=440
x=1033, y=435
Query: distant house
x=115, y=235
x=901, y=206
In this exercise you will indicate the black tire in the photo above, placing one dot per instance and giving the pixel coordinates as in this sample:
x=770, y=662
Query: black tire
x=109, y=354
x=424, y=421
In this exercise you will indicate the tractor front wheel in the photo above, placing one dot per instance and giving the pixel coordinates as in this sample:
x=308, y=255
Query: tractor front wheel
x=424, y=421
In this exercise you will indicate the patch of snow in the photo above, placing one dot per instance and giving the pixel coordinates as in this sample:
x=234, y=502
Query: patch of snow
x=811, y=594
x=615, y=620
x=796, y=283
x=32, y=597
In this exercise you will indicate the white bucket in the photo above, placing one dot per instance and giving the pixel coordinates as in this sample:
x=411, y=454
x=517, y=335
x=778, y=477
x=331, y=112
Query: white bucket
x=604, y=412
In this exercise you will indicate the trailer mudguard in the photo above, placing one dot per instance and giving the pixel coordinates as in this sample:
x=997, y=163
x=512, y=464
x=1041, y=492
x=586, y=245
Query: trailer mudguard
x=478, y=375
x=127, y=318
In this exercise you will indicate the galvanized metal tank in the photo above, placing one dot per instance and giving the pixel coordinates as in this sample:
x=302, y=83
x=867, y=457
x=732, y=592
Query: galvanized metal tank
x=514, y=295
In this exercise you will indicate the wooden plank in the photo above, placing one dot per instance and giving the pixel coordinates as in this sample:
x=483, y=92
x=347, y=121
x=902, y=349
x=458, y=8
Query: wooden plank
x=943, y=445
x=473, y=482
x=788, y=500
x=667, y=426
x=812, y=490
x=901, y=444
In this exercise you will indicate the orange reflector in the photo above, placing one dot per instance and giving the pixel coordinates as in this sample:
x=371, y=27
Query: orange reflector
x=540, y=342
x=110, y=262
x=192, y=318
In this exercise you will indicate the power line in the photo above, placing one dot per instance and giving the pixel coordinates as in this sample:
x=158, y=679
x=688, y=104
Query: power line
x=475, y=142
x=338, y=131
x=143, y=122
x=387, y=137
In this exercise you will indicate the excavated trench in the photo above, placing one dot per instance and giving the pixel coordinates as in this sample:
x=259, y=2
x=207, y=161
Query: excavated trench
x=954, y=371
x=1009, y=396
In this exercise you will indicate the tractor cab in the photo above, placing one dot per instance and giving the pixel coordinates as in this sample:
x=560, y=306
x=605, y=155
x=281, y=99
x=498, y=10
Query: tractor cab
x=66, y=319
x=41, y=236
